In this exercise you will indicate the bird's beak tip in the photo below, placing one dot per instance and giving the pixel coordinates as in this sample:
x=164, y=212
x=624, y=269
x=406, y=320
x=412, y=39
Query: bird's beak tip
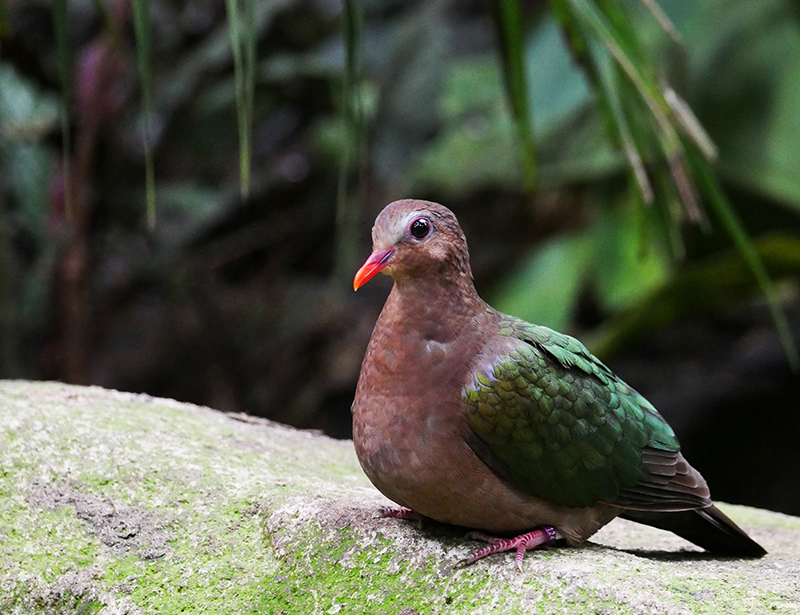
x=375, y=263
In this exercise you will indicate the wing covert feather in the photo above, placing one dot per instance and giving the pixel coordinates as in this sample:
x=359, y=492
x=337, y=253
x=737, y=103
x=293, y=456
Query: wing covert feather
x=557, y=423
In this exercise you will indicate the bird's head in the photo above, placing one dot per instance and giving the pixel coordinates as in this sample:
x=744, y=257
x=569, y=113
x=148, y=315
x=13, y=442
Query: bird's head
x=415, y=239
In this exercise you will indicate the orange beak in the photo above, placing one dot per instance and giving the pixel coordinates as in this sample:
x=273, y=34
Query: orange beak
x=375, y=262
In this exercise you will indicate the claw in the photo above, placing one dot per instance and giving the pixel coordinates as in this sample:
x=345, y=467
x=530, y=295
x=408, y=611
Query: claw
x=544, y=536
x=398, y=513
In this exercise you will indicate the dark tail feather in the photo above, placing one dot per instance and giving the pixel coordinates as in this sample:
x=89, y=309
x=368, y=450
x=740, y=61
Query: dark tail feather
x=706, y=527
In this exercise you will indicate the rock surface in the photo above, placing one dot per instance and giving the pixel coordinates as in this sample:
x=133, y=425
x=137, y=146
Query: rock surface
x=117, y=503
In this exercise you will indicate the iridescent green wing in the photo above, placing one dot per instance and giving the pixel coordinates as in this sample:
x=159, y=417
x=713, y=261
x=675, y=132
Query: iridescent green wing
x=555, y=422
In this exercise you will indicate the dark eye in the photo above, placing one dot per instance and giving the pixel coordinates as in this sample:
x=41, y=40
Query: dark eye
x=420, y=228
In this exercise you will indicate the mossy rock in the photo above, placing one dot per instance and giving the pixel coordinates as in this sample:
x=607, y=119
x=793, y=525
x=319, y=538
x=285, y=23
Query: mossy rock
x=117, y=503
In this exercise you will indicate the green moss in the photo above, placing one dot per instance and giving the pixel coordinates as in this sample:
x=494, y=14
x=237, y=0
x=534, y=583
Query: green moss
x=23, y=603
x=354, y=575
x=44, y=543
x=260, y=519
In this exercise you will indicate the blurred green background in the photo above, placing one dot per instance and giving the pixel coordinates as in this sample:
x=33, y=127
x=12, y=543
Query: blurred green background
x=603, y=198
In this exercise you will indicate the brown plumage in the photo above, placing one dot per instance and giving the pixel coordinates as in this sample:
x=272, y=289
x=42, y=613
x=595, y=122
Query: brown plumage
x=474, y=418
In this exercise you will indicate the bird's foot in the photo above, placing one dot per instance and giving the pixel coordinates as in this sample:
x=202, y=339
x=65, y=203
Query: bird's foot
x=543, y=536
x=399, y=513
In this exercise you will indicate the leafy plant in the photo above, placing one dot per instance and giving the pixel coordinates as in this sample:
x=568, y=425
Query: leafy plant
x=669, y=156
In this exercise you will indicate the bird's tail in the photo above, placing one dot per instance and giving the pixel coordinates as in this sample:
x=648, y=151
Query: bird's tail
x=706, y=527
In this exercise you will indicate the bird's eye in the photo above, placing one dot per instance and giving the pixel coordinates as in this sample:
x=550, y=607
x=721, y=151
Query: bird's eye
x=420, y=228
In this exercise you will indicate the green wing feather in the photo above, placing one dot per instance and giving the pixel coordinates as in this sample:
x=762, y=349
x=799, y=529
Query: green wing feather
x=557, y=423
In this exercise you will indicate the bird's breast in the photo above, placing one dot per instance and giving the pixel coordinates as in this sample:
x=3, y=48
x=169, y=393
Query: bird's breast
x=406, y=412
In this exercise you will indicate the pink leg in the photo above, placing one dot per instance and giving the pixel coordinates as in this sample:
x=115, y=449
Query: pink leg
x=399, y=513
x=540, y=537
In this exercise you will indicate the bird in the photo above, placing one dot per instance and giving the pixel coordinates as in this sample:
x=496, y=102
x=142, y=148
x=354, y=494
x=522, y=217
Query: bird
x=475, y=418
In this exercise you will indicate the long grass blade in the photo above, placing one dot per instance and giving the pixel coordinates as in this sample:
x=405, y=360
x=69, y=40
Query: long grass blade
x=249, y=55
x=669, y=211
x=348, y=210
x=242, y=29
x=690, y=124
x=608, y=81
x=615, y=96
x=665, y=22
x=612, y=26
x=682, y=180
x=141, y=26
x=61, y=24
x=648, y=89
x=668, y=133
x=735, y=229
x=511, y=32
x=234, y=31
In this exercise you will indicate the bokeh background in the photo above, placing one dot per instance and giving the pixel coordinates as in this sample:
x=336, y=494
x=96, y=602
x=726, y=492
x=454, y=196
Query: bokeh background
x=239, y=296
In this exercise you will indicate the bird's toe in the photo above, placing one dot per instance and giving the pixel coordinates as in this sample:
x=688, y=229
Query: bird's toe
x=541, y=537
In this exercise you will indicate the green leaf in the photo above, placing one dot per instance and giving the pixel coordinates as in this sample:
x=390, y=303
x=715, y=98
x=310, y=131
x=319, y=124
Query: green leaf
x=748, y=96
x=471, y=151
x=628, y=265
x=544, y=289
x=702, y=288
x=561, y=90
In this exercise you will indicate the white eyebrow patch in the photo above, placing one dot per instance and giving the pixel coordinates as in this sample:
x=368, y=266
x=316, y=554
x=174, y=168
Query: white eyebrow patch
x=391, y=234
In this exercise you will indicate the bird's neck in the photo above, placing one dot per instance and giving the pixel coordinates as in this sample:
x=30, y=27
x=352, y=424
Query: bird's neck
x=437, y=309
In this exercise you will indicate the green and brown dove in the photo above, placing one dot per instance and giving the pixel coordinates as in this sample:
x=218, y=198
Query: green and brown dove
x=479, y=419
